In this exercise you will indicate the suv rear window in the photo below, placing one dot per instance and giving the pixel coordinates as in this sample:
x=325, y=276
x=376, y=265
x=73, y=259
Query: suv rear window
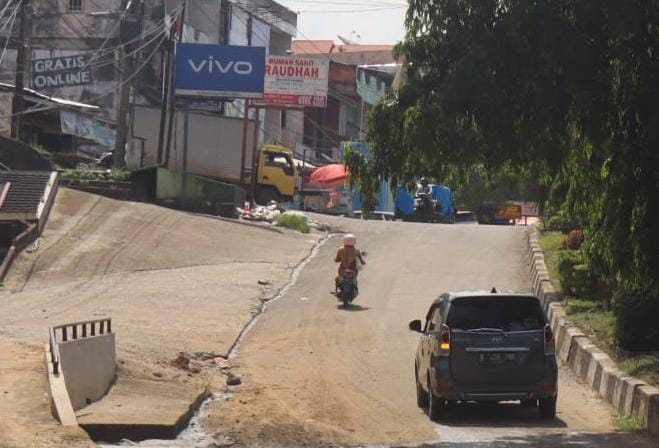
x=504, y=313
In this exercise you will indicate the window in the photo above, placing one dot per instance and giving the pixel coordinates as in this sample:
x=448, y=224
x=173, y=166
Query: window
x=75, y=5
x=283, y=119
x=434, y=320
x=280, y=161
x=504, y=313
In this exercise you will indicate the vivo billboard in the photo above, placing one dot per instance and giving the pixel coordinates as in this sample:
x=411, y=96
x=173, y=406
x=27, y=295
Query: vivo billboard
x=219, y=71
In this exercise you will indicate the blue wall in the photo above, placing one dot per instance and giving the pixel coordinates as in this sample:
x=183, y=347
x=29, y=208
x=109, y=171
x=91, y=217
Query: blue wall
x=386, y=201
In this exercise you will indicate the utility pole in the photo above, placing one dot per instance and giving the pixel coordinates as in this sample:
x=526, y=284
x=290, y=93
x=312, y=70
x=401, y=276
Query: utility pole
x=22, y=62
x=131, y=28
x=167, y=77
x=172, y=97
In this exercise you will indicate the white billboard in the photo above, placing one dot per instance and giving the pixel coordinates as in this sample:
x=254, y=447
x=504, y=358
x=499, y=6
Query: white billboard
x=295, y=81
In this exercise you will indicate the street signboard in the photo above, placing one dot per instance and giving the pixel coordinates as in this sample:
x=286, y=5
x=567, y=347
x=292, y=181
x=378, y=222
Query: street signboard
x=63, y=71
x=219, y=71
x=296, y=81
x=207, y=104
x=528, y=208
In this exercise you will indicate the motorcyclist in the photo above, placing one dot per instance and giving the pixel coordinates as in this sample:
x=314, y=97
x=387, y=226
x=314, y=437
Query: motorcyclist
x=424, y=193
x=425, y=189
x=347, y=255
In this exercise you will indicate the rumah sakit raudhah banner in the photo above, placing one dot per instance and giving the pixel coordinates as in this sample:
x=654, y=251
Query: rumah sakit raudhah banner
x=295, y=81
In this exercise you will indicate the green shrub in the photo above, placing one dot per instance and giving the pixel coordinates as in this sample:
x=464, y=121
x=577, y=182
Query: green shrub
x=299, y=223
x=636, y=320
x=558, y=222
x=96, y=175
x=576, y=277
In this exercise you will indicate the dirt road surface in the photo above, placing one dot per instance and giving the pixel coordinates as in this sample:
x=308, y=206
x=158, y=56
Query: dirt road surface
x=315, y=374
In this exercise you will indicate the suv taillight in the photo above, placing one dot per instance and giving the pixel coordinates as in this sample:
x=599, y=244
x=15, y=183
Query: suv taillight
x=549, y=340
x=444, y=339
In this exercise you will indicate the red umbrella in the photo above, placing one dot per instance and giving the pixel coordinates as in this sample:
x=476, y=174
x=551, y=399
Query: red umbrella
x=329, y=176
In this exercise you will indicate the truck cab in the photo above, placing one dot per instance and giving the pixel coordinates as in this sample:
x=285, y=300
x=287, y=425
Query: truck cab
x=277, y=175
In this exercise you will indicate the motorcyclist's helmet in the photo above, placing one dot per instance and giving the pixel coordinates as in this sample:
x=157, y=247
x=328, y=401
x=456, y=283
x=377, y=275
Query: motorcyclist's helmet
x=349, y=240
x=424, y=182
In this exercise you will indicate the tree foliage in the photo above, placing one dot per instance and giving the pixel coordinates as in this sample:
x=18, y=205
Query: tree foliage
x=565, y=89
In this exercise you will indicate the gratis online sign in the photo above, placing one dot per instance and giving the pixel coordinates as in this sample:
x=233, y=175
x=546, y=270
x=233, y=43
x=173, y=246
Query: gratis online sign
x=219, y=71
x=62, y=71
x=296, y=81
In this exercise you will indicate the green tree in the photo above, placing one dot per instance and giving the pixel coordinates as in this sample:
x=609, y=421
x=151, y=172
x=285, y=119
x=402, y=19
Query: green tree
x=567, y=89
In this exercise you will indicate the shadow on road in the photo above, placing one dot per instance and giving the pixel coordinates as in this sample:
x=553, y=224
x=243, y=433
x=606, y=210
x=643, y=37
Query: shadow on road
x=353, y=308
x=580, y=440
x=497, y=415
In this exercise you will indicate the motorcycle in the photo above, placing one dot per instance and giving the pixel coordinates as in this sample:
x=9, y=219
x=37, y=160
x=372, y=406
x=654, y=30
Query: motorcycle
x=425, y=208
x=348, y=289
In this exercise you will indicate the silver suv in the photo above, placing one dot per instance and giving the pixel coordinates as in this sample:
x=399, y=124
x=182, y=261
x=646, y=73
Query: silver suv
x=485, y=347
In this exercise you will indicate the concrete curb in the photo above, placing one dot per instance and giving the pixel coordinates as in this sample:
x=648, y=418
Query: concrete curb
x=628, y=395
x=60, y=403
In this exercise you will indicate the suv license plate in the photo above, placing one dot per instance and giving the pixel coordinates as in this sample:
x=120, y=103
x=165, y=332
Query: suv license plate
x=496, y=359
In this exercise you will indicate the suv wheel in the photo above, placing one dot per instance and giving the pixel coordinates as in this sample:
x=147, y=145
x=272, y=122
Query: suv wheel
x=548, y=408
x=436, y=405
x=421, y=395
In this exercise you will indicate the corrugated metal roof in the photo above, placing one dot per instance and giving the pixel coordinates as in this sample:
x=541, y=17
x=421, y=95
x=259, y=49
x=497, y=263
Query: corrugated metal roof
x=26, y=190
x=52, y=99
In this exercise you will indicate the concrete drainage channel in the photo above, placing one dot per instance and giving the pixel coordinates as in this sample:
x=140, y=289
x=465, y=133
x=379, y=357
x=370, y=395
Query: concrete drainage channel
x=193, y=435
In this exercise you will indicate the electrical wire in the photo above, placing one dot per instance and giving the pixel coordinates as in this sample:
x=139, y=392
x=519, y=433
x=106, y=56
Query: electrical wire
x=36, y=107
x=127, y=80
x=315, y=125
x=12, y=19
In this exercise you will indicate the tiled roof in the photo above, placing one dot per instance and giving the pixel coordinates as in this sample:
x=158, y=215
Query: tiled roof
x=312, y=46
x=26, y=190
x=346, y=54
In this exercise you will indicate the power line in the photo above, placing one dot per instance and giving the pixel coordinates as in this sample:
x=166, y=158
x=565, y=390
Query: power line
x=130, y=78
x=11, y=22
x=36, y=108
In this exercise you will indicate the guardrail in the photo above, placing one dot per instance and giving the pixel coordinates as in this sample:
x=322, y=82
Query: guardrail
x=104, y=326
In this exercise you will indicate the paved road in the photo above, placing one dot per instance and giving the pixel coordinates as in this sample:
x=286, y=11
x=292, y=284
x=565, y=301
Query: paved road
x=314, y=373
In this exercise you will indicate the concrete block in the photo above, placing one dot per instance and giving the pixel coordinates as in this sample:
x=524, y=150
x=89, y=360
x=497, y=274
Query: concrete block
x=610, y=375
x=641, y=402
x=653, y=415
x=580, y=357
x=623, y=394
x=538, y=277
x=559, y=327
x=533, y=252
x=595, y=362
x=554, y=311
x=567, y=348
x=540, y=265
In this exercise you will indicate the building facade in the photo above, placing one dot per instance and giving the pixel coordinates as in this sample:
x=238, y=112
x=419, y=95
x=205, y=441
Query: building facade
x=76, y=50
x=352, y=78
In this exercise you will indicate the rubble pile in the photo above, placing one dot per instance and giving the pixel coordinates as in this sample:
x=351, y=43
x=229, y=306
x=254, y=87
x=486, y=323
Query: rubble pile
x=264, y=213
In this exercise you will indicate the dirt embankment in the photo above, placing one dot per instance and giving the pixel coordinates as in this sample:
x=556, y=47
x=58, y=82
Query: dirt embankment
x=171, y=281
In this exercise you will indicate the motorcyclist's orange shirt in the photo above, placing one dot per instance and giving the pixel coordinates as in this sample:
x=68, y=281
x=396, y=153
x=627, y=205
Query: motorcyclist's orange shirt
x=347, y=256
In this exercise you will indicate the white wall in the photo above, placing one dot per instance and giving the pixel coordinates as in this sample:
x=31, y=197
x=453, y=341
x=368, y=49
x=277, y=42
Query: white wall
x=89, y=366
x=215, y=142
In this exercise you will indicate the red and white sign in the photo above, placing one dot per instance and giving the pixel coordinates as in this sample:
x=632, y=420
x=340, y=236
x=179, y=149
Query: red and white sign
x=295, y=81
x=528, y=208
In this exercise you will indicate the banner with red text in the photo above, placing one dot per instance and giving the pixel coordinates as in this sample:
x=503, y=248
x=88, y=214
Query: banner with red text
x=295, y=81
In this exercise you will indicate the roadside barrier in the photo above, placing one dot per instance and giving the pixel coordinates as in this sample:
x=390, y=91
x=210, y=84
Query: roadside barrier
x=104, y=326
x=629, y=396
x=81, y=363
